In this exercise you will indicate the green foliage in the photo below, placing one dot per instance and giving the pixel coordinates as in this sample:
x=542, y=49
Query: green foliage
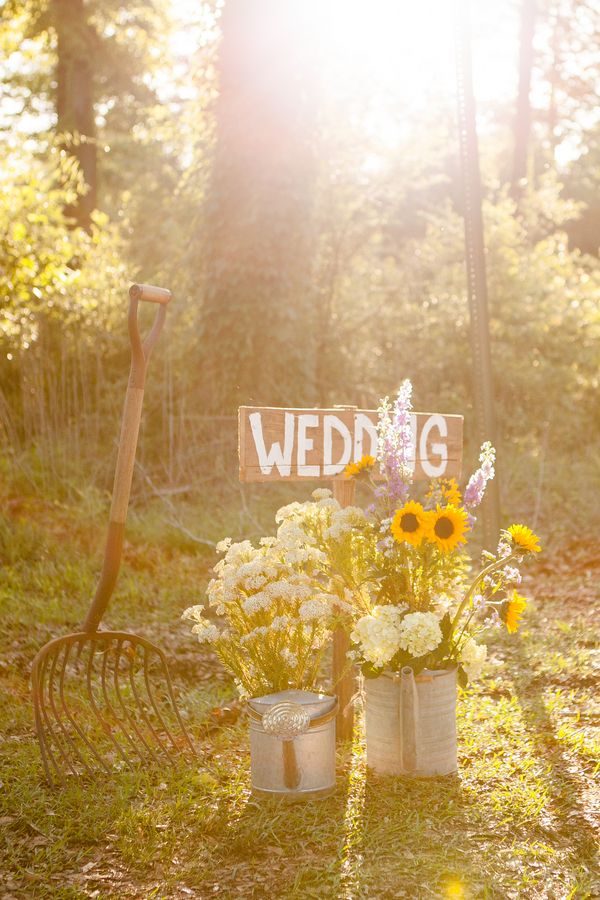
x=52, y=279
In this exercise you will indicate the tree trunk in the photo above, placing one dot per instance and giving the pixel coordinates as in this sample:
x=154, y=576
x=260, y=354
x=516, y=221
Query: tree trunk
x=258, y=323
x=523, y=113
x=75, y=98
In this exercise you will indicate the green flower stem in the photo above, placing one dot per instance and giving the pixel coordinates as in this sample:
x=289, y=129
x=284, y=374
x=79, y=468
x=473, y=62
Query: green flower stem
x=497, y=564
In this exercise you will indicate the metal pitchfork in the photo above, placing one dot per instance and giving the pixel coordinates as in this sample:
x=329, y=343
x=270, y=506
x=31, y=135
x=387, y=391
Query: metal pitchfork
x=104, y=699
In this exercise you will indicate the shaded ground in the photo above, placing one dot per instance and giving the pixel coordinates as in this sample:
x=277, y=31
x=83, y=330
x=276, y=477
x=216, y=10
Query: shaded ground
x=521, y=820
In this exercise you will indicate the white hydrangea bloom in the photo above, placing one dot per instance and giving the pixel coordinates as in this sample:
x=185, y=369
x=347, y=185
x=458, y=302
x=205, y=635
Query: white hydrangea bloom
x=224, y=545
x=420, y=633
x=378, y=634
x=473, y=657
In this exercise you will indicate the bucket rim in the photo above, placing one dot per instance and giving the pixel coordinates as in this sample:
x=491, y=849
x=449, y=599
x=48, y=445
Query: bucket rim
x=424, y=675
x=316, y=720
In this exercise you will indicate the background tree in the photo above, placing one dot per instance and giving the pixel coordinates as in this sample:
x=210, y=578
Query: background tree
x=76, y=51
x=257, y=325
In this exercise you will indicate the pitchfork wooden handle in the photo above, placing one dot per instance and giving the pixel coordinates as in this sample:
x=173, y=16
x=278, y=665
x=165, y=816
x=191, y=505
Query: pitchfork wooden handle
x=132, y=414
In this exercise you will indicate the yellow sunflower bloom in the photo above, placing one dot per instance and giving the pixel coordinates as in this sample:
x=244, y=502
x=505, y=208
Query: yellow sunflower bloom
x=446, y=527
x=450, y=492
x=524, y=538
x=512, y=611
x=364, y=464
x=408, y=523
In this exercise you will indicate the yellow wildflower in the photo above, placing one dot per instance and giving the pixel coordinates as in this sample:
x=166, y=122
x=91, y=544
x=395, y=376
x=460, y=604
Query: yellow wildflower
x=512, y=611
x=524, y=538
x=365, y=463
x=450, y=492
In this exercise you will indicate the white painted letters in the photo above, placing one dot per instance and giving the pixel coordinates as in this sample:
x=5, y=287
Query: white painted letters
x=266, y=461
x=439, y=449
x=329, y=467
x=362, y=424
x=305, y=444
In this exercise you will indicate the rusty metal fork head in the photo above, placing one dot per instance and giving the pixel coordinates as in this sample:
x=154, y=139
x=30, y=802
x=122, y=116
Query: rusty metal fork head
x=104, y=701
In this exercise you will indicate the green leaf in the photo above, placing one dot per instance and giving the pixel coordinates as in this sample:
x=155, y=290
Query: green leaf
x=370, y=671
x=446, y=626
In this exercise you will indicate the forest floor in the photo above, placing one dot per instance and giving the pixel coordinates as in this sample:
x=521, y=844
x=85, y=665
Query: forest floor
x=521, y=819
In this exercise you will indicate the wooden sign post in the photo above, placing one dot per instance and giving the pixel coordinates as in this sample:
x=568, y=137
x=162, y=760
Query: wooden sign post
x=318, y=444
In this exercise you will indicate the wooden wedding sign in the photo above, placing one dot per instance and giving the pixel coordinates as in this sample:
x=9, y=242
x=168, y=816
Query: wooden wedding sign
x=317, y=444
x=303, y=444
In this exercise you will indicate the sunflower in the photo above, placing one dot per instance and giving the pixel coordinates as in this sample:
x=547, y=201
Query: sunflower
x=450, y=492
x=364, y=464
x=512, y=610
x=446, y=527
x=408, y=523
x=524, y=538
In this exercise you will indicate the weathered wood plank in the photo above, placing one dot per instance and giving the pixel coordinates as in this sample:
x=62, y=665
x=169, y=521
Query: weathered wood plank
x=307, y=444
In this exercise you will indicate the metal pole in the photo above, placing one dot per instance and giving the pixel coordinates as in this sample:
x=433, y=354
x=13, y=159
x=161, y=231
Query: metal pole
x=483, y=393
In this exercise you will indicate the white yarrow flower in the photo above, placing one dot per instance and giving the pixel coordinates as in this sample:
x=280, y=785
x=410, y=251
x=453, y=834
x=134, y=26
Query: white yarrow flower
x=206, y=632
x=314, y=609
x=193, y=612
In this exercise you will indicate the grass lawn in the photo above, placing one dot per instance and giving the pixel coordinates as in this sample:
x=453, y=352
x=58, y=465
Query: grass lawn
x=521, y=819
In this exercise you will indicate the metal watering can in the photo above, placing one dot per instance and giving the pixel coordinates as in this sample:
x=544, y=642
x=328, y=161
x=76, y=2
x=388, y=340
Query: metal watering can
x=411, y=722
x=292, y=744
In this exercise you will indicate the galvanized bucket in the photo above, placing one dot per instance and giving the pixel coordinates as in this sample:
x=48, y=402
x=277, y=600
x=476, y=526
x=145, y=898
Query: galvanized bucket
x=292, y=744
x=411, y=723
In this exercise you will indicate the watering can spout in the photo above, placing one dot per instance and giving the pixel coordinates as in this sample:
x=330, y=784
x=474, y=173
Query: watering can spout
x=409, y=715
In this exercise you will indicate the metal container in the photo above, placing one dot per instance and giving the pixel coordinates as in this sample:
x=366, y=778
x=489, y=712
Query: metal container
x=292, y=744
x=411, y=723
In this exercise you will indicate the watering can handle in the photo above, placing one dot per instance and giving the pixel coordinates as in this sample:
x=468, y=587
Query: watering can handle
x=132, y=413
x=409, y=704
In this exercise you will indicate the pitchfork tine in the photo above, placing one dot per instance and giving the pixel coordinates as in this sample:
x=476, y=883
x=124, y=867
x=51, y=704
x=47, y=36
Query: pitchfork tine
x=41, y=717
x=143, y=710
x=150, y=689
x=104, y=725
x=111, y=708
x=174, y=703
x=70, y=717
x=126, y=710
x=57, y=741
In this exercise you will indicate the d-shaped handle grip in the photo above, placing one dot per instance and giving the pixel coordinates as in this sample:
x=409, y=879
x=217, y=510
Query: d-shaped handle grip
x=140, y=352
x=150, y=292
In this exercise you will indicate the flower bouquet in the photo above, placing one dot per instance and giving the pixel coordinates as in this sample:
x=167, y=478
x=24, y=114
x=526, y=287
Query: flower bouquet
x=275, y=621
x=427, y=611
